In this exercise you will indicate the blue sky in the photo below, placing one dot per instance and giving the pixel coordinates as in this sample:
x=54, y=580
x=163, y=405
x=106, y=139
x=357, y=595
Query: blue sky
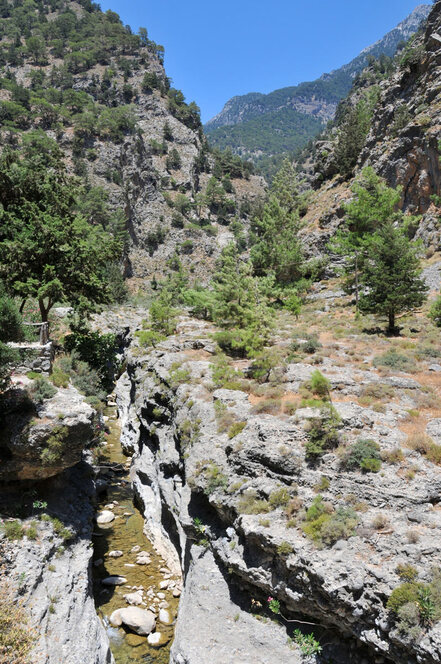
x=215, y=50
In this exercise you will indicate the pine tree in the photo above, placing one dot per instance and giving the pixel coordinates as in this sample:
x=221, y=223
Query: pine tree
x=374, y=204
x=391, y=275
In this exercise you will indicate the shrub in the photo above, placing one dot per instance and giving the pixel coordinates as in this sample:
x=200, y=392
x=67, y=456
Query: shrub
x=323, y=485
x=250, y=504
x=422, y=443
x=270, y=406
x=435, y=311
x=323, y=434
x=59, y=378
x=55, y=446
x=279, y=498
x=173, y=161
x=11, y=327
x=13, y=530
x=236, y=428
x=407, y=592
x=380, y=522
x=363, y=455
x=307, y=643
x=284, y=549
x=407, y=572
x=42, y=390
x=320, y=385
x=309, y=344
x=264, y=363
x=149, y=338
x=324, y=526
x=215, y=479
x=378, y=391
x=396, y=361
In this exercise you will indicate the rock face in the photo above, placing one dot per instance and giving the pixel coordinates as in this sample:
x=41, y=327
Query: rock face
x=317, y=100
x=155, y=170
x=40, y=441
x=196, y=483
x=54, y=572
x=402, y=145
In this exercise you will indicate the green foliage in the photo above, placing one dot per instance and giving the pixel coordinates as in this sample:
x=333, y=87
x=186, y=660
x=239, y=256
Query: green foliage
x=215, y=479
x=84, y=377
x=320, y=385
x=403, y=594
x=201, y=302
x=8, y=357
x=324, y=526
x=149, y=338
x=354, y=129
x=235, y=429
x=307, y=643
x=55, y=446
x=323, y=432
x=284, y=549
x=173, y=161
x=240, y=306
x=250, y=504
x=391, y=276
x=37, y=200
x=364, y=455
x=277, y=248
x=435, y=311
x=42, y=390
x=263, y=364
x=11, y=326
x=394, y=360
x=407, y=572
x=189, y=114
x=163, y=314
x=97, y=350
x=279, y=498
x=13, y=530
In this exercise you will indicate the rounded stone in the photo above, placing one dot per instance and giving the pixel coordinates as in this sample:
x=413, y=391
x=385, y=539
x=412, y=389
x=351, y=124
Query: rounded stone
x=139, y=620
x=135, y=640
x=165, y=617
x=157, y=639
x=114, y=581
x=116, y=554
x=106, y=516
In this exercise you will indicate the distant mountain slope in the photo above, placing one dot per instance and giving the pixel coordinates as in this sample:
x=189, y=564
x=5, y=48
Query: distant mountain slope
x=296, y=114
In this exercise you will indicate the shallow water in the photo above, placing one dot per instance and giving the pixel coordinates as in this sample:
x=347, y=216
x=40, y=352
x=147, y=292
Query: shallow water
x=125, y=532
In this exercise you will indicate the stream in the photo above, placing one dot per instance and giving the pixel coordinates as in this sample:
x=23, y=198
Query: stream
x=125, y=534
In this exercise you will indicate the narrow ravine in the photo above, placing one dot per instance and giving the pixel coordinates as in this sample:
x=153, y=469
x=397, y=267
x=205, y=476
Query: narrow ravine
x=124, y=539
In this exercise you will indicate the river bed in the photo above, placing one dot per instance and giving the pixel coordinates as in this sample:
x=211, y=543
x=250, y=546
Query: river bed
x=125, y=534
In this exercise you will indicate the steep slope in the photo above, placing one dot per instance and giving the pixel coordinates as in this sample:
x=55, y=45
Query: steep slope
x=244, y=121
x=81, y=77
x=402, y=143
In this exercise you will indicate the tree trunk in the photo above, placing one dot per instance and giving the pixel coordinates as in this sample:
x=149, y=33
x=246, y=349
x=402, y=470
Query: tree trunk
x=356, y=282
x=391, y=327
x=44, y=311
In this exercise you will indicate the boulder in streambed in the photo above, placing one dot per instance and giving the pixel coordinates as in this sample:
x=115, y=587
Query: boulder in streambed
x=104, y=517
x=140, y=621
x=116, y=554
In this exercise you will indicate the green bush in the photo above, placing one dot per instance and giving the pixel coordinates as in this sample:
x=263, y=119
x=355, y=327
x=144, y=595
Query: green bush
x=320, y=385
x=435, y=311
x=279, y=498
x=323, y=432
x=250, y=504
x=11, y=326
x=55, y=446
x=235, y=429
x=8, y=357
x=407, y=572
x=308, y=344
x=215, y=479
x=284, y=549
x=324, y=526
x=13, y=530
x=395, y=360
x=364, y=455
x=42, y=390
x=407, y=592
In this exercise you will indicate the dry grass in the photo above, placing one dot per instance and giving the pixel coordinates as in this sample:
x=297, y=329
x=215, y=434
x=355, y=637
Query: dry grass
x=16, y=637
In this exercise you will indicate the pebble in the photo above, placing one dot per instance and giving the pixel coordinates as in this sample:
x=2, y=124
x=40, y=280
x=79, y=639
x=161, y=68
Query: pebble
x=161, y=595
x=164, y=585
x=135, y=549
x=116, y=554
x=165, y=617
x=176, y=592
